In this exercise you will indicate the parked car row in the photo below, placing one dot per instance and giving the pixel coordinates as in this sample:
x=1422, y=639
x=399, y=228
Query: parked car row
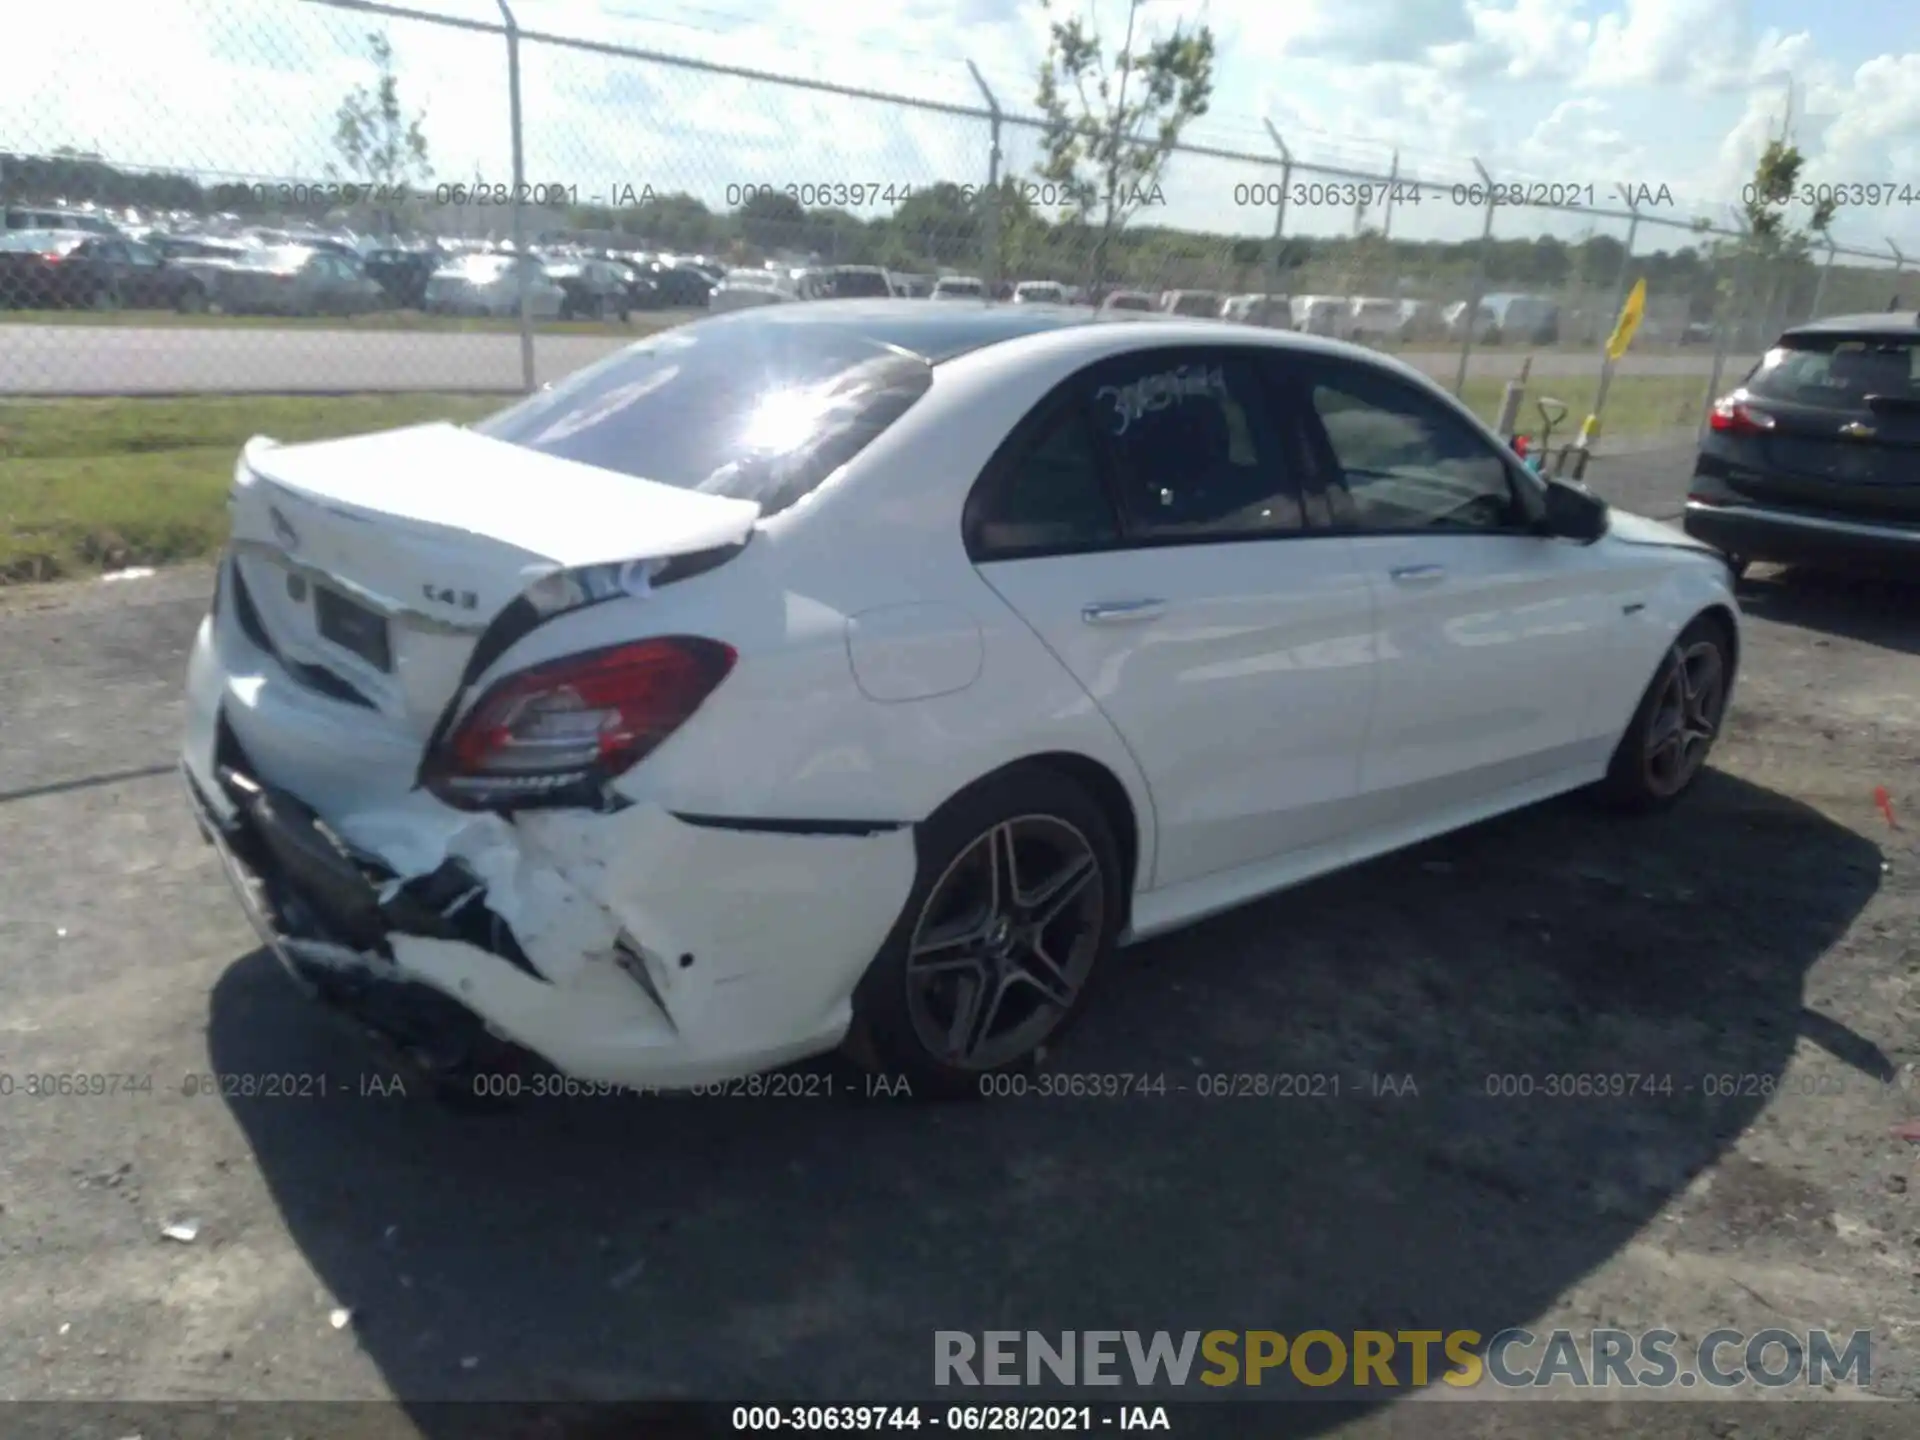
x=1367, y=320
x=59, y=258
x=51, y=257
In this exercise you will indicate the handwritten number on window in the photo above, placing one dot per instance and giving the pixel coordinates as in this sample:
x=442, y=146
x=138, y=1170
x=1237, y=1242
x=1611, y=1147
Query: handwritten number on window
x=1151, y=393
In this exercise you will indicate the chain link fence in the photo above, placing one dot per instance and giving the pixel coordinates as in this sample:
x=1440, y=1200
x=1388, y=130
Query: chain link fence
x=597, y=191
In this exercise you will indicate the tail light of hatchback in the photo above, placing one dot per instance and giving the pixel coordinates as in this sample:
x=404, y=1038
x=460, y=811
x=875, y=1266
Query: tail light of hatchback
x=554, y=734
x=1732, y=415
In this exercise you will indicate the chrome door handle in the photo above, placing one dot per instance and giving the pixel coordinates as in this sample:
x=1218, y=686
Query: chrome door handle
x=1119, y=612
x=1418, y=574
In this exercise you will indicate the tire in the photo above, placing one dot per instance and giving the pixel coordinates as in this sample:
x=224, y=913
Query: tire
x=1639, y=783
x=1026, y=1003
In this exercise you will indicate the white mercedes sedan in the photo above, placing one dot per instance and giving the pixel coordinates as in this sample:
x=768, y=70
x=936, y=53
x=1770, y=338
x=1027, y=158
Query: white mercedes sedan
x=865, y=673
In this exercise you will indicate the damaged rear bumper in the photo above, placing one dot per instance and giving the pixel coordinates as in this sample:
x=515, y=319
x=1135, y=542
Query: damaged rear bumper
x=629, y=948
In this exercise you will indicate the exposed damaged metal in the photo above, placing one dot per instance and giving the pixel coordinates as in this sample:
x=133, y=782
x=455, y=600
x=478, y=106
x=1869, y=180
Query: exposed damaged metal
x=337, y=898
x=368, y=909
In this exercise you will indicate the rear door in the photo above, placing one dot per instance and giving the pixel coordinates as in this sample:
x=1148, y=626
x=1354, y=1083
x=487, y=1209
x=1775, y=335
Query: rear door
x=145, y=280
x=108, y=262
x=1146, y=522
x=1844, y=431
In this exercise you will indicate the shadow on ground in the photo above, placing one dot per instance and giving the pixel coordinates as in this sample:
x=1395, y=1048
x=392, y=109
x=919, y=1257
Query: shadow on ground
x=1875, y=608
x=807, y=1249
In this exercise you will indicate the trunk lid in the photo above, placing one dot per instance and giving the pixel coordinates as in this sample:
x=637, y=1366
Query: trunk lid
x=375, y=563
x=1845, y=437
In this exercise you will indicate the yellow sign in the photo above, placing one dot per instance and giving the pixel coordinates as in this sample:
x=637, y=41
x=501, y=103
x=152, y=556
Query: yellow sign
x=1629, y=320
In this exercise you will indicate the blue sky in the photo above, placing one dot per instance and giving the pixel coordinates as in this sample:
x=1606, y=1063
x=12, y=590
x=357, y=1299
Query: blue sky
x=1678, y=94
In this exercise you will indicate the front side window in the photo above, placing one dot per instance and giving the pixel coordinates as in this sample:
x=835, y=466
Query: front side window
x=736, y=406
x=1194, y=450
x=1405, y=461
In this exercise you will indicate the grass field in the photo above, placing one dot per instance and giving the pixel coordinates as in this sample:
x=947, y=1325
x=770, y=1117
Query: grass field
x=91, y=485
x=95, y=485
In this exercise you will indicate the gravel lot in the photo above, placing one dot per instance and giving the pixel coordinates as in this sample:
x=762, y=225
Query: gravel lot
x=804, y=1249
x=134, y=360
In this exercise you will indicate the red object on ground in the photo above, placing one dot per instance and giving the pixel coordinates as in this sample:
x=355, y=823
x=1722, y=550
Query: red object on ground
x=1885, y=802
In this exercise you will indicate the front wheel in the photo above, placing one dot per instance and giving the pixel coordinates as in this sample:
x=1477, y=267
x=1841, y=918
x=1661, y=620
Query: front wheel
x=1018, y=902
x=1672, y=732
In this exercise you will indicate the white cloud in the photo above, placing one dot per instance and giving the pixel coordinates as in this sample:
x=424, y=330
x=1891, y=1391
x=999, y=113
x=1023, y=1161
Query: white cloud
x=1690, y=43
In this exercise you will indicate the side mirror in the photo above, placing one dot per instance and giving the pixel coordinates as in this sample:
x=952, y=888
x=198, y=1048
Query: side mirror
x=1574, y=512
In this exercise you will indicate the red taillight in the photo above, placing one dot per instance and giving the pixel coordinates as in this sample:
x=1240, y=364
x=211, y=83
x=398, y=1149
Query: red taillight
x=556, y=732
x=1734, y=416
x=53, y=257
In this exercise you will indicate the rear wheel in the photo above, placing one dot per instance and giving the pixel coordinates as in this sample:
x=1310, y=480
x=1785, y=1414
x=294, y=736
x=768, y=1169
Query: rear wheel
x=1671, y=734
x=1018, y=903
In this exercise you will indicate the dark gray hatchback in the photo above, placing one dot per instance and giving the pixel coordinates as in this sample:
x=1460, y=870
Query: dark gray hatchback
x=1815, y=458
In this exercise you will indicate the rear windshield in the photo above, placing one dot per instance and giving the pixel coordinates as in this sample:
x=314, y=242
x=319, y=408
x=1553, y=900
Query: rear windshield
x=739, y=406
x=1839, y=372
x=856, y=285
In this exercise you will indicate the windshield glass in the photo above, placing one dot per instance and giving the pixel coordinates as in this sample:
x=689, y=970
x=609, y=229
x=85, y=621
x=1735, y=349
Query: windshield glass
x=1838, y=372
x=741, y=406
x=279, y=258
x=856, y=285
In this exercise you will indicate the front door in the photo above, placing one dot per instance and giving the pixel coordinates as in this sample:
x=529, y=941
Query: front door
x=1491, y=637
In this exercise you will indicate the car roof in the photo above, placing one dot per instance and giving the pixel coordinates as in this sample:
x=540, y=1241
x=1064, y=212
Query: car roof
x=54, y=234
x=934, y=333
x=1897, y=324
x=947, y=332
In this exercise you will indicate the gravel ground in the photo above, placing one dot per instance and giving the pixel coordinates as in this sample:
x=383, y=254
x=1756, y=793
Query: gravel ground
x=135, y=360
x=1768, y=932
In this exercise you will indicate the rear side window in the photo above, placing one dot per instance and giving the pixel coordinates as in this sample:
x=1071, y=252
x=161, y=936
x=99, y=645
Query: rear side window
x=740, y=406
x=1051, y=496
x=1838, y=372
x=1194, y=453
